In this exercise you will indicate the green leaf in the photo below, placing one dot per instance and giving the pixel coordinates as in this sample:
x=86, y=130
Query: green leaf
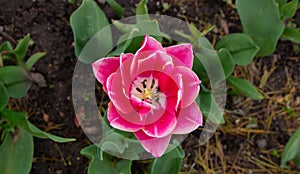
x=227, y=61
x=33, y=59
x=86, y=22
x=106, y=164
x=21, y=49
x=281, y=3
x=291, y=149
x=261, y=21
x=170, y=162
x=6, y=46
x=119, y=143
x=240, y=46
x=19, y=119
x=16, y=81
x=134, y=34
x=116, y=7
x=4, y=96
x=16, y=153
x=291, y=34
x=210, y=108
x=289, y=9
x=142, y=11
x=244, y=87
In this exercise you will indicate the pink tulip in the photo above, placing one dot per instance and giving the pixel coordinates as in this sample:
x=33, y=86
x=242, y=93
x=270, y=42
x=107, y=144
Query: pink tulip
x=152, y=93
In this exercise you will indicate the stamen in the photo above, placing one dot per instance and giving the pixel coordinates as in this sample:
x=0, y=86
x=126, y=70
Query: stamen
x=139, y=90
x=152, y=84
x=158, y=89
x=144, y=83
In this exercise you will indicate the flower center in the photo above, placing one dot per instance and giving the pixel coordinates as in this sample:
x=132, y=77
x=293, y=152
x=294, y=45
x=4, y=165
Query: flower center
x=147, y=90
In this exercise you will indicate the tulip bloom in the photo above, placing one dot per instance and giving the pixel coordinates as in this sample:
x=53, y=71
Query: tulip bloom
x=152, y=93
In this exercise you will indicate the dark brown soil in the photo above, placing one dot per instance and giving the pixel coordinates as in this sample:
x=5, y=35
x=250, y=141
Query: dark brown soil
x=249, y=135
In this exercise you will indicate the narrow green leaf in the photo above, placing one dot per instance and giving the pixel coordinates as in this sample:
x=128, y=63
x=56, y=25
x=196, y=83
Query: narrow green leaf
x=16, y=152
x=281, y=3
x=19, y=119
x=6, y=46
x=106, y=164
x=142, y=10
x=244, y=87
x=227, y=61
x=170, y=162
x=240, y=46
x=3, y=96
x=291, y=149
x=33, y=59
x=291, y=34
x=289, y=9
x=210, y=108
x=86, y=22
x=16, y=81
x=116, y=7
x=22, y=47
x=261, y=21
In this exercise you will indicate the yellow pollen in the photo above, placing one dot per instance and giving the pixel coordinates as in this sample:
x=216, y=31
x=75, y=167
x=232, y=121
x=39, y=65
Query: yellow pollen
x=147, y=94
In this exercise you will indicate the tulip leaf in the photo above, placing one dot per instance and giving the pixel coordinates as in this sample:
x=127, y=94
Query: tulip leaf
x=240, y=46
x=289, y=9
x=16, y=153
x=291, y=149
x=170, y=162
x=33, y=59
x=21, y=49
x=227, y=61
x=261, y=21
x=210, y=108
x=16, y=81
x=105, y=163
x=291, y=34
x=86, y=22
x=142, y=11
x=244, y=87
x=281, y=2
x=6, y=46
x=4, y=96
x=19, y=119
x=119, y=143
x=119, y=10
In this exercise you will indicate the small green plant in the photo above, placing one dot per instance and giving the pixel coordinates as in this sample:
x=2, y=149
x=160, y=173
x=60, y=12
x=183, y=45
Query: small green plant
x=16, y=149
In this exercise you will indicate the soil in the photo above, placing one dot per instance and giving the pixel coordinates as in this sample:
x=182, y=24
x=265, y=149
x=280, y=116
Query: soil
x=254, y=130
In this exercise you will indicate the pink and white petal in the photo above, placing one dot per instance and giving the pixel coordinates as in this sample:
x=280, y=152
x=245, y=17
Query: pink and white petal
x=190, y=84
x=182, y=54
x=140, y=106
x=163, y=126
x=104, y=67
x=189, y=119
x=155, y=146
x=148, y=47
x=118, y=122
x=116, y=93
x=125, y=64
x=158, y=61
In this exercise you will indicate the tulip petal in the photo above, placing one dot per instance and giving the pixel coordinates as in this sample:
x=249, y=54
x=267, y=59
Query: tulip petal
x=189, y=119
x=125, y=63
x=190, y=84
x=118, y=122
x=116, y=93
x=140, y=106
x=104, y=67
x=149, y=46
x=156, y=146
x=182, y=54
x=163, y=126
